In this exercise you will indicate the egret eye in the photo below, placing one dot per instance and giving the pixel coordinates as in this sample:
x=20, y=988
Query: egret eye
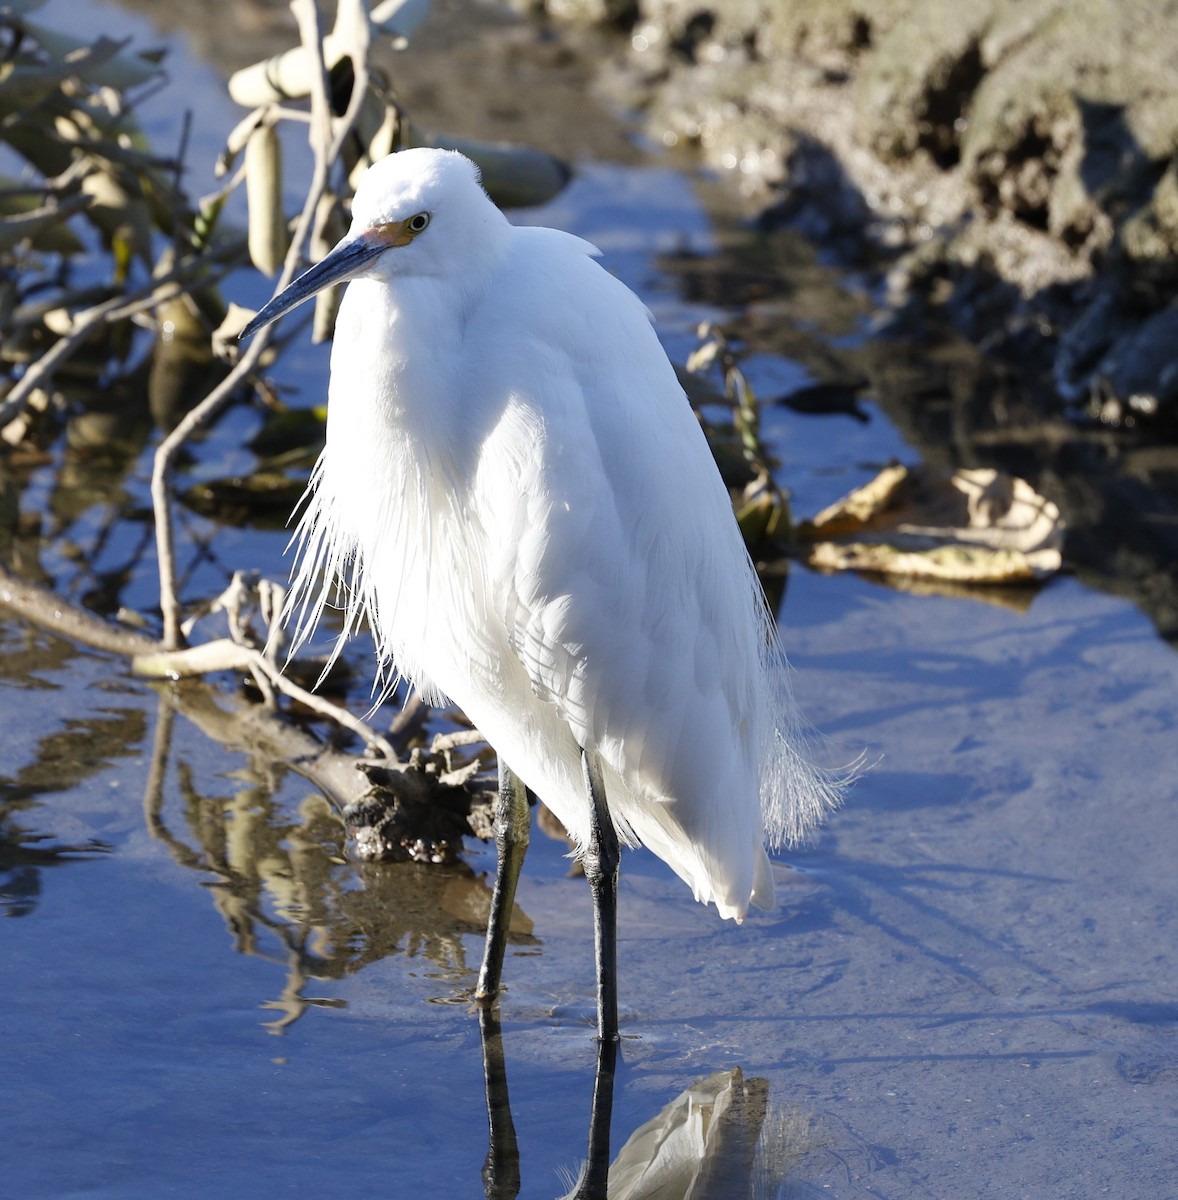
x=417, y=222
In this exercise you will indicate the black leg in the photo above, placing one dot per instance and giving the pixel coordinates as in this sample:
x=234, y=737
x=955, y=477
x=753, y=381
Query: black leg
x=512, y=822
x=501, y=1170
x=601, y=859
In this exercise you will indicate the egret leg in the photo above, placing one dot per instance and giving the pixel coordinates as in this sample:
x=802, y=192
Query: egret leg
x=600, y=860
x=512, y=829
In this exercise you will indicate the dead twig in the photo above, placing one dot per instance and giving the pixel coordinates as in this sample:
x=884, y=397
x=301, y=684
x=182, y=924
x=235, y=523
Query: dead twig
x=149, y=295
x=228, y=655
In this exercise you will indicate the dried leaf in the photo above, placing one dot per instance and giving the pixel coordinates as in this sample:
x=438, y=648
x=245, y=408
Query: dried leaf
x=856, y=510
x=264, y=499
x=954, y=562
x=378, y=128
x=124, y=220
x=225, y=335
x=702, y=357
x=237, y=140
x=25, y=82
x=974, y=526
x=399, y=19
x=764, y=518
x=292, y=432
x=44, y=227
x=17, y=429
x=99, y=63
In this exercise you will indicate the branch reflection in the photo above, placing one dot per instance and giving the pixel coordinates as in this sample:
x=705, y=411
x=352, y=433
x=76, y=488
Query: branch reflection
x=286, y=892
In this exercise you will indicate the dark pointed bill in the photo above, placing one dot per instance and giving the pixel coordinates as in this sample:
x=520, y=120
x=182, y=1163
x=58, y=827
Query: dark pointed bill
x=344, y=262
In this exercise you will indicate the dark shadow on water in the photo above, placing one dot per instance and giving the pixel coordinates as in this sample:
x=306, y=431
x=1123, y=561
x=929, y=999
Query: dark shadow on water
x=1143, y=1013
x=68, y=756
x=23, y=859
x=906, y=790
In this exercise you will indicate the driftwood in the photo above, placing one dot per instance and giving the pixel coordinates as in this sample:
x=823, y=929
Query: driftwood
x=418, y=808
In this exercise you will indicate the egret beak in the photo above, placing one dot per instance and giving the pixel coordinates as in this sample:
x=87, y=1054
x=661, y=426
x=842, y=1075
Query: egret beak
x=346, y=261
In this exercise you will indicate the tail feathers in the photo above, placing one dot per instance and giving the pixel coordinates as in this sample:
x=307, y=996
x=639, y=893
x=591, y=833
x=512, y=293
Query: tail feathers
x=731, y=882
x=797, y=794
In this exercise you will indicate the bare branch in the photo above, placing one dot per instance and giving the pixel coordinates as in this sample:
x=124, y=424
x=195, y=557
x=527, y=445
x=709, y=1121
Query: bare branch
x=307, y=15
x=161, y=478
x=227, y=655
x=221, y=655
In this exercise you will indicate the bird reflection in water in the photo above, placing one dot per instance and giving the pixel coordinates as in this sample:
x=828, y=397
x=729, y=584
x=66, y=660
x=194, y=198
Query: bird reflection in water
x=719, y=1139
x=286, y=894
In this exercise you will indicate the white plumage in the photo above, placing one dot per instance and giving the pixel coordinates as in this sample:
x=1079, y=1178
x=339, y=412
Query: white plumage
x=517, y=495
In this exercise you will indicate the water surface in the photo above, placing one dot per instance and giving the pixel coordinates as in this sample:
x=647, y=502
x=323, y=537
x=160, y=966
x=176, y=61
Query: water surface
x=967, y=988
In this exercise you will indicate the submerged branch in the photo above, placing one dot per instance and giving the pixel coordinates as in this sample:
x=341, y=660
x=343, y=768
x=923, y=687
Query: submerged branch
x=48, y=610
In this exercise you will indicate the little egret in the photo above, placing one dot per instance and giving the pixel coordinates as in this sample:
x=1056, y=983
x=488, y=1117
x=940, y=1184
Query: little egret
x=517, y=496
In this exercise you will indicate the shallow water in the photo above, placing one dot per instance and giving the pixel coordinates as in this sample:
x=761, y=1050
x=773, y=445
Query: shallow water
x=967, y=988
x=967, y=985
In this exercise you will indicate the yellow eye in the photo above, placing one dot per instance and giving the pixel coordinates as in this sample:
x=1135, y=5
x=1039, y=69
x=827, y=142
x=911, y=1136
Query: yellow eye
x=417, y=222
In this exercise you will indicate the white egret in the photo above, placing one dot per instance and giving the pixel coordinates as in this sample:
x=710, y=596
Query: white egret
x=517, y=496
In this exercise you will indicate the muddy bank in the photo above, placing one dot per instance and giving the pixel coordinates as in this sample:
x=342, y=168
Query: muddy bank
x=1010, y=170
x=1015, y=161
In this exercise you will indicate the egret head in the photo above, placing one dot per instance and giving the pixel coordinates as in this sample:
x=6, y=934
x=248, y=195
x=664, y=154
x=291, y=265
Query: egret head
x=419, y=212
